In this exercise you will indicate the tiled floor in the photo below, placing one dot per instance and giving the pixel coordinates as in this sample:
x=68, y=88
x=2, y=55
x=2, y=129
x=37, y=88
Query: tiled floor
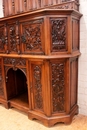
x=11, y=119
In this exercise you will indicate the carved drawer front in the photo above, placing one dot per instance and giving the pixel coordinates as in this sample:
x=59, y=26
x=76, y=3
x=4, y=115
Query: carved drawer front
x=57, y=69
x=1, y=80
x=36, y=85
x=32, y=37
x=2, y=39
x=58, y=34
x=13, y=38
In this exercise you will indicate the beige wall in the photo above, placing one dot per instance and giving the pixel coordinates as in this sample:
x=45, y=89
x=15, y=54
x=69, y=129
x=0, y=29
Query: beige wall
x=82, y=84
x=1, y=9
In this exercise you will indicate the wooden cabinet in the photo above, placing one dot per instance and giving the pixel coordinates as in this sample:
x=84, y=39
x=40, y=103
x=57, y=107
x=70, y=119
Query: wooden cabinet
x=39, y=53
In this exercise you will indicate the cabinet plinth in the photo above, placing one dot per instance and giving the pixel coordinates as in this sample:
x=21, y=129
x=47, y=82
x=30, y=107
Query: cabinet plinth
x=39, y=53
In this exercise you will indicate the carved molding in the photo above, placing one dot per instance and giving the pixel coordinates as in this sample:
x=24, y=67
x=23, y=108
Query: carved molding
x=37, y=87
x=58, y=27
x=58, y=86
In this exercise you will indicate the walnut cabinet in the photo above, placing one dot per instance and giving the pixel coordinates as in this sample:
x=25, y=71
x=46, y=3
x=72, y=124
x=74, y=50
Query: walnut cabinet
x=39, y=53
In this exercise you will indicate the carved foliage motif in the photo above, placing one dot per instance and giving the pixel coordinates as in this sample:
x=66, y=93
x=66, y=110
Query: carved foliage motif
x=58, y=34
x=32, y=36
x=58, y=84
x=1, y=81
x=37, y=87
x=2, y=38
x=12, y=33
x=15, y=62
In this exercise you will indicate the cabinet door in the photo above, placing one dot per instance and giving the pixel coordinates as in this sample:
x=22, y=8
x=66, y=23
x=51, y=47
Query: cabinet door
x=58, y=86
x=36, y=85
x=1, y=79
x=13, y=37
x=32, y=37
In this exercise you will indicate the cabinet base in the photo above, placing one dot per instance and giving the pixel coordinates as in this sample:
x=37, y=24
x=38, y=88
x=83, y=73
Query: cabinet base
x=50, y=121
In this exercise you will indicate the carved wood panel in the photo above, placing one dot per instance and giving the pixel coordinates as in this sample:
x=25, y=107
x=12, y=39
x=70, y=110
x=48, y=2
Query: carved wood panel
x=36, y=88
x=13, y=37
x=58, y=34
x=1, y=80
x=33, y=37
x=58, y=86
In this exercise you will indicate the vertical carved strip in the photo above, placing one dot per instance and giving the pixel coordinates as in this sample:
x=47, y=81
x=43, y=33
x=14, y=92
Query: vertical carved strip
x=6, y=38
x=37, y=87
x=17, y=37
x=58, y=85
x=13, y=7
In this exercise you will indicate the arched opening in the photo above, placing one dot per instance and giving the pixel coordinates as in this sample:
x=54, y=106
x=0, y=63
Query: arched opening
x=17, y=90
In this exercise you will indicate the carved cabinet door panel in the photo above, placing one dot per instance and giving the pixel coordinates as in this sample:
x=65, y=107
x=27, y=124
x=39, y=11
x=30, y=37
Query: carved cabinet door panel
x=13, y=37
x=58, y=86
x=58, y=34
x=32, y=37
x=36, y=85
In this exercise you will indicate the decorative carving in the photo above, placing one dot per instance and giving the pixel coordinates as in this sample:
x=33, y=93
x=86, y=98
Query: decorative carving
x=6, y=38
x=15, y=62
x=13, y=5
x=32, y=35
x=17, y=36
x=58, y=84
x=2, y=38
x=37, y=87
x=1, y=81
x=12, y=31
x=58, y=34
x=64, y=6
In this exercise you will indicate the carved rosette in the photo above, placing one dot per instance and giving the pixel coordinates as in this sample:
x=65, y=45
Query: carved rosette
x=31, y=35
x=37, y=87
x=58, y=85
x=1, y=81
x=58, y=32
